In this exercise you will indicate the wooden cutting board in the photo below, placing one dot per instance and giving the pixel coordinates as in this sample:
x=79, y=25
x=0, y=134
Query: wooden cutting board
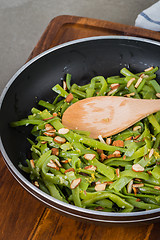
x=24, y=217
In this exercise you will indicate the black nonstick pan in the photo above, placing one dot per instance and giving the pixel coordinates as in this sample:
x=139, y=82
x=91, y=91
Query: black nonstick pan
x=83, y=59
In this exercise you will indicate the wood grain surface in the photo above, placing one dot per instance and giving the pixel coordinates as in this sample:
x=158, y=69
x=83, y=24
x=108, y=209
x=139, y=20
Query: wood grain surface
x=22, y=217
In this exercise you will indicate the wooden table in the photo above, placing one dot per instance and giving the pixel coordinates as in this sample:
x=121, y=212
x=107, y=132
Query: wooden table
x=24, y=217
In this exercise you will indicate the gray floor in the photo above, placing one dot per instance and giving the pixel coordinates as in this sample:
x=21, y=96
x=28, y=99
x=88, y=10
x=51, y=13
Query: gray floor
x=22, y=22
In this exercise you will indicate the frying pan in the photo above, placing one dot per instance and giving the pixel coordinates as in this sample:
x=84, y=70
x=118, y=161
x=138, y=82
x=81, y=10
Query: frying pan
x=83, y=59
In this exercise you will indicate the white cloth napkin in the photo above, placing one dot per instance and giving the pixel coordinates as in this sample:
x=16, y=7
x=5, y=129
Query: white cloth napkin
x=149, y=18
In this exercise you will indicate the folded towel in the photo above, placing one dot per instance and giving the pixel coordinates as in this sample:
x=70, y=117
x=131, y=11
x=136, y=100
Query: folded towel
x=149, y=18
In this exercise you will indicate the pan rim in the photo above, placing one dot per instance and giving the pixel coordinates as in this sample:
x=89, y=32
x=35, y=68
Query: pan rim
x=27, y=184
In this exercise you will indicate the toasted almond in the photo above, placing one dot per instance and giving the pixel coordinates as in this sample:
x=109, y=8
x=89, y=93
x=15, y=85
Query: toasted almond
x=45, y=119
x=144, y=75
x=138, y=82
x=137, y=185
x=149, y=172
x=101, y=139
x=108, y=141
x=124, y=157
x=135, y=190
x=158, y=95
x=89, y=156
x=129, y=94
x=151, y=153
x=99, y=208
x=129, y=186
x=130, y=82
x=148, y=69
x=59, y=139
x=129, y=138
x=157, y=187
x=137, y=168
x=51, y=131
x=64, y=85
x=32, y=163
x=103, y=157
x=65, y=161
x=55, y=151
x=99, y=151
x=52, y=164
x=138, y=180
x=75, y=183
x=63, y=131
x=114, y=86
x=57, y=162
x=136, y=128
x=69, y=98
x=118, y=172
x=100, y=187
x=136, y=137
x=112, y=91
x=43, y=142
x=91, y=167
x=118, y=143
x=116, y=153
x=70, y=170
x=50, y=134
x=49, y=127
x=36, y=184
x=108, y=182
x=138, y=200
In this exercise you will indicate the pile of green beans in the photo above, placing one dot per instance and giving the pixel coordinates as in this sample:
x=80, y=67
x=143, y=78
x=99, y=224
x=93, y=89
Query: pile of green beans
x=120, y=173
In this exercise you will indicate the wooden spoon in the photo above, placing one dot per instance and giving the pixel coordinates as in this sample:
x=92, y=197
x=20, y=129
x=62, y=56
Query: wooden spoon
x=107, y=115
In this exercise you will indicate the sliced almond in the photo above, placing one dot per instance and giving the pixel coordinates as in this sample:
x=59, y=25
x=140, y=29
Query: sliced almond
x=129, y=186
x=43, y=142
x=49, y=127
x=32, y=163
x=118, y=172
x=70, y=170
x=100, y=187
x=114, y=86
x=148, y=69
x=108, y=141
x=151, y=153
x=75, y=183
x=129, y=138
x=137, y=168
x=136, y=137
x=69, y=98
x=130, y=82
x=124, y=157
x=135, y=190
x=137, y=185
x=129, y=94
x=99, y=208
x=65, y=161
x=103, y=157
x=118, y=143
x=99, y=151
x=138, y=180
x=59, y=139
x=116, y=154
x=136, y=128
x=36, y=184
x=63, y=131
x=64, y=85
x=157, y=187
x=108, y=182
x=91, y=167
x=101, y=139
x=138, y=200
x=158, y=95
x=138, y=82
x=55, y=151
x=53, y=165
x=50, y=134
x=112, y=91
x=57, y=162
x=89, y=156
